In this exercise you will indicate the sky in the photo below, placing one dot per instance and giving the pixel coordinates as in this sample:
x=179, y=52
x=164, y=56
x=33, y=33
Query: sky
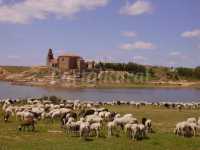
x=153, y=32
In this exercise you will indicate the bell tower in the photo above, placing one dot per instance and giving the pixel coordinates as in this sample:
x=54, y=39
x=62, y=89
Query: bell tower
x=49, y=56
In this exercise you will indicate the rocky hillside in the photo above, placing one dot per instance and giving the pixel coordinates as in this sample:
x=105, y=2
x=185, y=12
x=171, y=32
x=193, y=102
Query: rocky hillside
x=3, y=73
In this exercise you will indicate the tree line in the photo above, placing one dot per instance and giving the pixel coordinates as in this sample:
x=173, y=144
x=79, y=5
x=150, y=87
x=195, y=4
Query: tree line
x=192, y=73
x=129, y=67
x=180, y=72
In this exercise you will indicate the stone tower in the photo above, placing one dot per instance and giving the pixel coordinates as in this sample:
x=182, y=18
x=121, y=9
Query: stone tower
x=49, y=56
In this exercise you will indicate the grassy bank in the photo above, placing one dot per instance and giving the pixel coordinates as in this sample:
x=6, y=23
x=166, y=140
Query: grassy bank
x=164, y=121
x=15, y=69
x=137, y=85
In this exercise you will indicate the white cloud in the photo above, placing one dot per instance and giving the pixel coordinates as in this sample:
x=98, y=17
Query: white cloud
x=139, y=58
x=138, y=45
x=129, y=34
x=137, y=8
x=13, y=57
x=191, y=34
x=28, y=10
x=178, y=55
x=175, y=53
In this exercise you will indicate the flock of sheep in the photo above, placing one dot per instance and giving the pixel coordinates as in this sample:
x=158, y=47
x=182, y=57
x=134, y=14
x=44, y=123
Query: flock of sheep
x=90, y=118
x=188, y=128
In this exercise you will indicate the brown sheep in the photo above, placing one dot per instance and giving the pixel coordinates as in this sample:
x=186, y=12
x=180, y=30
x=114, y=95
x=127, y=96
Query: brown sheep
x=28, y=122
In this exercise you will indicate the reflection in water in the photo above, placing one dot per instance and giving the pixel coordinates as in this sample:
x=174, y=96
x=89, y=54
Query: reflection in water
x=142, y=94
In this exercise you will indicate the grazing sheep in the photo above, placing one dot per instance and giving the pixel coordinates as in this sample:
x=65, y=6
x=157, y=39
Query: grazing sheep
x=198, y=122
x=84, y=129
x=71, y=119
x=94, y=119
x=111, y=117
x=179, y=128
x=7, y=113
x=142, y=131
x=128, y=115
x=95, y=127
x=27, y=114
x=117, y=115
x=28, y=122
x=102, y=114
x=111, y=126
x=72, y=127
x=6, y=116
x=148, y=125
x=127, y=130
x=108, y=116
x=192, y=120
x=194, y=128
x=188, y=131
x=56, y=114
x=65, y=117
x=135, y=130
x=124, y=120
x=184, y=129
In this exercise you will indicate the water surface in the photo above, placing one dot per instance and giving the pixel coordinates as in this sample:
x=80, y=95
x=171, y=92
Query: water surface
x=136, y=94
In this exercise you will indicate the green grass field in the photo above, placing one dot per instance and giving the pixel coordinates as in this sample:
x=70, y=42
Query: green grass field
x=15, y=69
x=164, y=121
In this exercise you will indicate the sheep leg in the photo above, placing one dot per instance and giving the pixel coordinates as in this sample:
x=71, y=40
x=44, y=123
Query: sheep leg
x=97, y=132
x=80, y=134
x=109, y=132
x=33, y=127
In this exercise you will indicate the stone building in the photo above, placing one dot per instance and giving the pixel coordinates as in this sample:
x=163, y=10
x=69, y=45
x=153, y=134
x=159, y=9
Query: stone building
x=67, y=63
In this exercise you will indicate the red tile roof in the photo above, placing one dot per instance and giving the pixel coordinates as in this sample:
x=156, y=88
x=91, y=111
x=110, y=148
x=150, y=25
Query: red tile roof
x=54, y=61
x=69, y=55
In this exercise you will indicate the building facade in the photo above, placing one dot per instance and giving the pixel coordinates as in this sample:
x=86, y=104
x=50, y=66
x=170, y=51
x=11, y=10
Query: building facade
x=67, y=63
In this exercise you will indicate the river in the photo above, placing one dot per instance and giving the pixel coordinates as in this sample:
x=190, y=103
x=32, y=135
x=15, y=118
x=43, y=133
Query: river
x=137, y=94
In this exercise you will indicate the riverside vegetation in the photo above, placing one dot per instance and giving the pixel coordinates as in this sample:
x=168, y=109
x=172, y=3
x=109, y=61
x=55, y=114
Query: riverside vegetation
x=107, y=75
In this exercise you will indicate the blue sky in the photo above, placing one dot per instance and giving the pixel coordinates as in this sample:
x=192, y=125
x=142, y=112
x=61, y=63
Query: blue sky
x=156, y=32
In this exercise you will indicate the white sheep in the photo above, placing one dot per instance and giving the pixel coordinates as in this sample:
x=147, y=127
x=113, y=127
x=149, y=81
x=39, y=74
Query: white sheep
x=128, y=115
x=56, y=114
x=135, y=130
x=95, y=127
x=142, y=131
x=84, y=129
x=127, y=129
x=148, y=125
x=108, y=116
x=72, y=126
x=93, y=119
x=194, y=127
x=184, y=129
x=124, y=120
x=179, y=128
x=9, y=110
x=102, y=114
x=192, y=120
x=26, y=114
x=111, y=126
x=198, y=122
x=117, y=115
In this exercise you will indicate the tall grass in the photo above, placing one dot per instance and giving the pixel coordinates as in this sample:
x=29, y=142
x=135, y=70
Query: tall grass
x=163, y=119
